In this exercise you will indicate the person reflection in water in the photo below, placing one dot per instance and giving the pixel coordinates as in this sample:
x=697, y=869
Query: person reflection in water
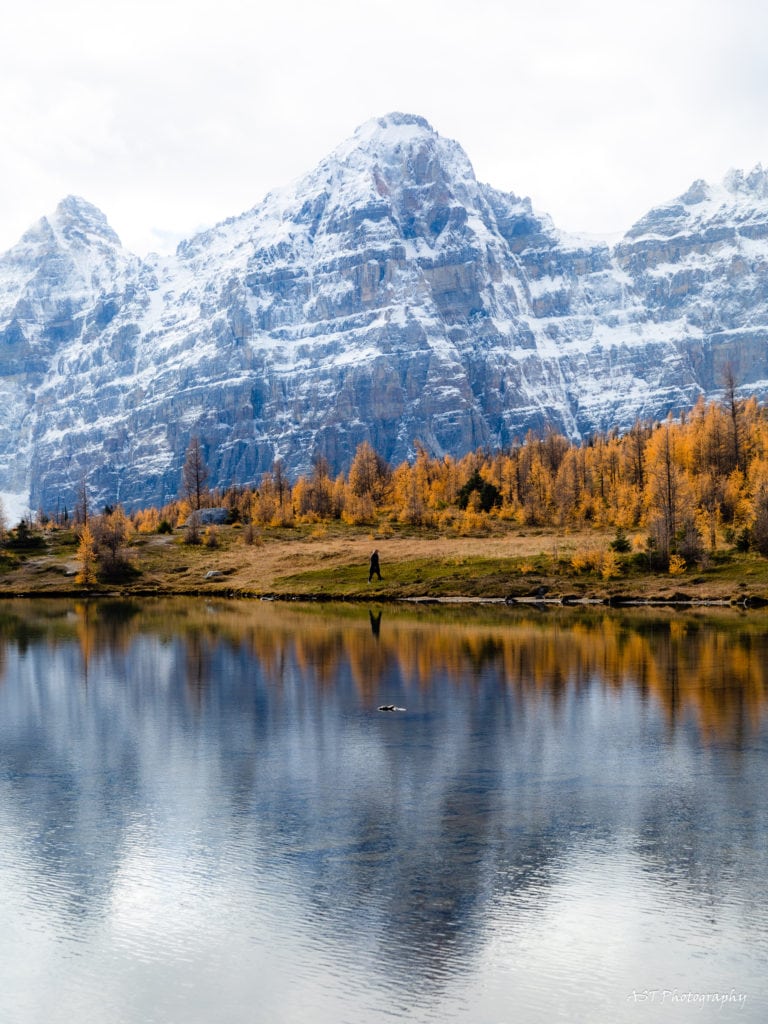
x=375, y=623
x=374, y=569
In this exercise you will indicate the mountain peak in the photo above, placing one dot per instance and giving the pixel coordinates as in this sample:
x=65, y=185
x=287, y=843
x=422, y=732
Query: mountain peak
x=397, y=119
x=698, y=192
x=387, y=134
x=399, y=145
x=380, y=165
x=77, y=220
x=74, y=224
x=76, y=206
x=755, y=182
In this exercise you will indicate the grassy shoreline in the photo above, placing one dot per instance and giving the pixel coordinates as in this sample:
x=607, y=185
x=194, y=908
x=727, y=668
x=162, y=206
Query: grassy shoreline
x=331, y=563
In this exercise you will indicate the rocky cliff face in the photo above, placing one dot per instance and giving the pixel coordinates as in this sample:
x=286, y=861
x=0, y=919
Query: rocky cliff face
x=387, y=296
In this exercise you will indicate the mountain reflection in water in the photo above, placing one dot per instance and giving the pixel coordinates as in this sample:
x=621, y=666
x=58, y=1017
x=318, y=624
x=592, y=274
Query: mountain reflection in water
x=205, y=791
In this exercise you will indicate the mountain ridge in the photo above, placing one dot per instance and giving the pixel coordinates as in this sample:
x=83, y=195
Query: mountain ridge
x=385, y=296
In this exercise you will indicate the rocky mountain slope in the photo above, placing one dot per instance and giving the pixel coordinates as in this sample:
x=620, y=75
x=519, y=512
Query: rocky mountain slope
x=386, y=296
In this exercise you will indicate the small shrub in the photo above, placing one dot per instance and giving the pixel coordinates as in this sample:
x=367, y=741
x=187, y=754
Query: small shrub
x=588, y=560
x=24, y=539
x=472, y=524
x=676, y=565
x=611, y=565
x=579, y=561
x=252, y=536
x=743, y=540
x=446, y=520
x=115, y=566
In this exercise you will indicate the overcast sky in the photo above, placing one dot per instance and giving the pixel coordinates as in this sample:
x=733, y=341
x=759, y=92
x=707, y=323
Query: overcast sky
x=173, y=114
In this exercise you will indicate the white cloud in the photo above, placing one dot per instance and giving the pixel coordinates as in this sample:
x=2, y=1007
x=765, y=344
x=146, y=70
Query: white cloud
x=167, y=114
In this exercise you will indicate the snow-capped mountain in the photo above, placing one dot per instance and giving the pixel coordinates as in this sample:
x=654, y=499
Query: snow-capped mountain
x=386, y=296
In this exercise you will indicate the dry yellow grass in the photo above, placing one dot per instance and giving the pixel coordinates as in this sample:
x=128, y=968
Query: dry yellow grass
x=260, y=568
x=166, y=564
x=333, y=561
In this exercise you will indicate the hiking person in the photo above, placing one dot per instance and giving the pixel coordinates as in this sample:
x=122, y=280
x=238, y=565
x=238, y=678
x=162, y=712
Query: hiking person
x=374, y=568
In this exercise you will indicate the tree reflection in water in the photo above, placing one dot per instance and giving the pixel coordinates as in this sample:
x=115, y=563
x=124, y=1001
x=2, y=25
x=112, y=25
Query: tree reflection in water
x=252, y=727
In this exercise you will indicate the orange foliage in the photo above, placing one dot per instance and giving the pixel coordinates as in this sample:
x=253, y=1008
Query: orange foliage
x=697, y=476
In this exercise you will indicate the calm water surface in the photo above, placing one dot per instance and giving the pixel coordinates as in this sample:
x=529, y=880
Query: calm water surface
x=204, y=818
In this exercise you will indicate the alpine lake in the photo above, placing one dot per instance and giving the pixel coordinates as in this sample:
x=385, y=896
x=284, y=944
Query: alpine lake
x=206, y=819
